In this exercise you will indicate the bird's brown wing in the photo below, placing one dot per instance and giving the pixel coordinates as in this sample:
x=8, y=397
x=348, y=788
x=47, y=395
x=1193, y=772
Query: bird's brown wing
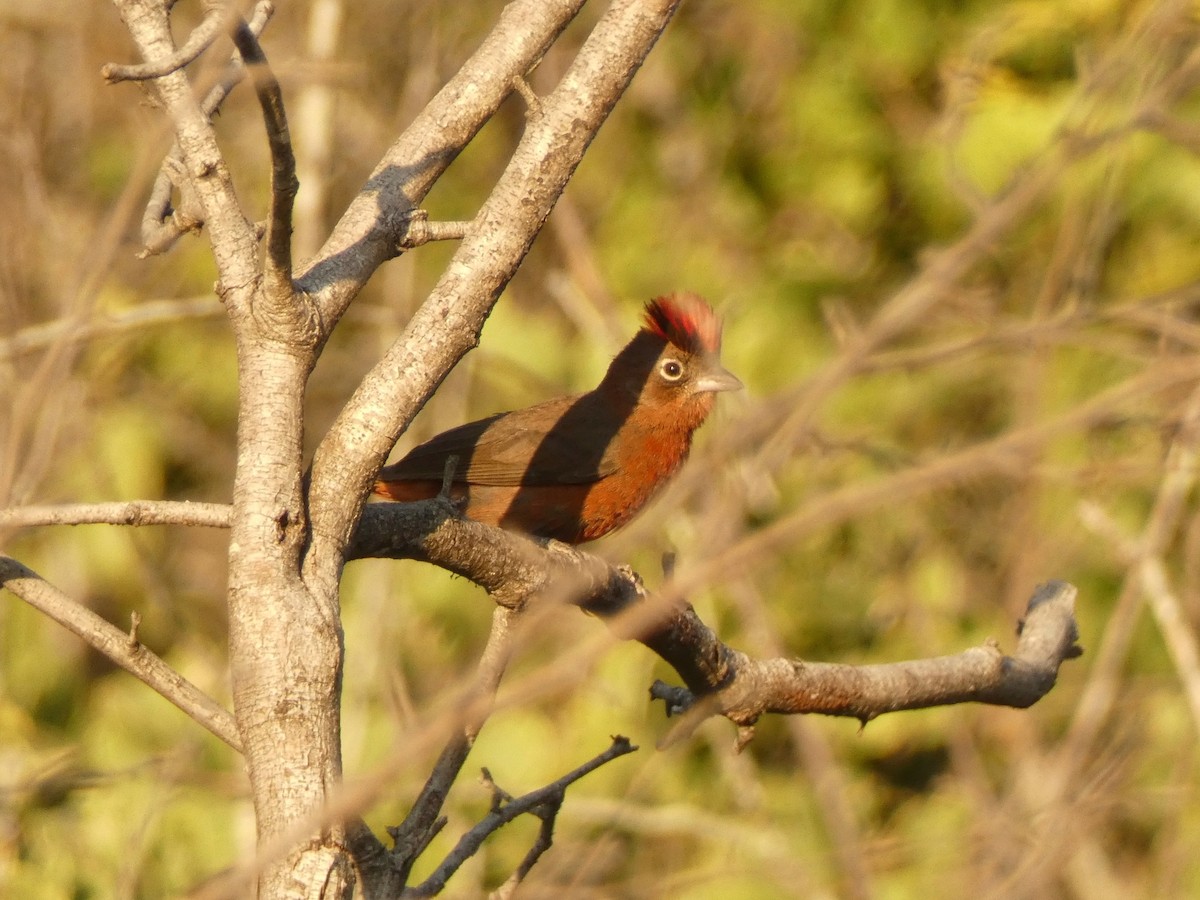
x=556, y=442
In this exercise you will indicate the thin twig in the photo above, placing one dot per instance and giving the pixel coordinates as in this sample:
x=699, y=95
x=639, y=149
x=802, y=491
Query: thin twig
x=235, y=69
x=1175, y=628
x=420, y=230
x=448, y=475
x=121, y=647
x=550, y=797
x=200, y=40
x=162, y=222
x=1101, y=693
x=284, y=183
x=1066, y=326
x=545, y=839
x=533, y=103
x=129, y=512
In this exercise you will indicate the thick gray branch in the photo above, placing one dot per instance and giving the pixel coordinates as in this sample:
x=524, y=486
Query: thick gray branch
x=376, y=223
x=513, y=568
x=984, y=674
x=727, y=681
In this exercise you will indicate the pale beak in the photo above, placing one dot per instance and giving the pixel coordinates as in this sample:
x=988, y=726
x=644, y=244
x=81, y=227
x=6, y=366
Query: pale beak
x=717, y=379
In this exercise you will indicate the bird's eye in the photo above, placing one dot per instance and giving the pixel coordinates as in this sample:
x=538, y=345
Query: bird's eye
x=671, y=369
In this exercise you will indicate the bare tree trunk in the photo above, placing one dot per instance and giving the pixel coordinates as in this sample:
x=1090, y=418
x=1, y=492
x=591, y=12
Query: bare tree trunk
x=289, y=533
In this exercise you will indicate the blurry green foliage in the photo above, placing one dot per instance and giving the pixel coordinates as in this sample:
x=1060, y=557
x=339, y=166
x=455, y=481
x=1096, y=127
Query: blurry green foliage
x=797, y=163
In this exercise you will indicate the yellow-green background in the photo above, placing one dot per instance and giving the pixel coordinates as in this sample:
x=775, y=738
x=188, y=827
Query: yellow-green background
x=796, y=162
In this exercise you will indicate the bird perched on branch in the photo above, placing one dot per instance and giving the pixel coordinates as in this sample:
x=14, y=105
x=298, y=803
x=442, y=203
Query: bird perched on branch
x=578, y=467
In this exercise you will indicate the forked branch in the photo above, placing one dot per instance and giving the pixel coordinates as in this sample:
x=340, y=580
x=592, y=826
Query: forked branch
x=165, y=220
x=718, y=680
x=449, y=322
x=545, y=803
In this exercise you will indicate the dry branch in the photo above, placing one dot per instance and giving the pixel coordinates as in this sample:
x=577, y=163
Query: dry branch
x=199, y=41
x=513, y=569
x=1048, y=635
x=424, y=819
x=145, y=315
x=164, y=222
x=545, y=803
x=1143, y=578
x=121, y=647
x=725, y=681
x=198, y=161
x=450, y=320
x=284, y=184
x=129, y=512
x=420, y=230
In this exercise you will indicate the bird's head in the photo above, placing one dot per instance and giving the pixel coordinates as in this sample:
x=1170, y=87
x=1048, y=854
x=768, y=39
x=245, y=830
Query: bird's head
x=675, y=360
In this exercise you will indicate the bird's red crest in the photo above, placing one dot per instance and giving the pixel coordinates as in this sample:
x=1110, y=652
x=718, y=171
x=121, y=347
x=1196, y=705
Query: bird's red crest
x=686, y=321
